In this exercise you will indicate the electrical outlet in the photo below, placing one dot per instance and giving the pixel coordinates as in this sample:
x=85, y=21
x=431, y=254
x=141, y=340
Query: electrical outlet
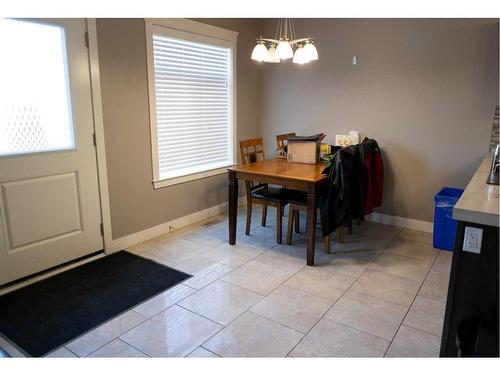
x=472, y=240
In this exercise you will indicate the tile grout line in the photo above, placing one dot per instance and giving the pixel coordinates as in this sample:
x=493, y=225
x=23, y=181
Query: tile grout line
x=114, y=338
x=419, y=330
x=69, y=350
x=174, y=304
x=358, y=329
x=144, y=321
x=274, y=321
x=198, y=347
x=221, y=324
x=203, y=270
x=232, y=268
x=133, y=347
x=181, y=307
x=246, y=311
x=109, y=342
x=282, y=269
x=411, y=304
x=322, y=316
x=215, y=333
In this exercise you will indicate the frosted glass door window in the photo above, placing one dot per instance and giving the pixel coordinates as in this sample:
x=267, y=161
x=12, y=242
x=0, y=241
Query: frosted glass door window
x=35, y=101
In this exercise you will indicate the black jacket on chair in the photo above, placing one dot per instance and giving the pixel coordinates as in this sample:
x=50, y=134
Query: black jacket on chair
x=341, y=196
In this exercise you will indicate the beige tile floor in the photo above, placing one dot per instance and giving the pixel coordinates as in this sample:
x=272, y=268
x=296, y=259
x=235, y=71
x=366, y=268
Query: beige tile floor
x=381, y=293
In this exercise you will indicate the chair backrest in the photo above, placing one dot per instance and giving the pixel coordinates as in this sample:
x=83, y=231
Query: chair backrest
x=252, y=150
x=281, y=142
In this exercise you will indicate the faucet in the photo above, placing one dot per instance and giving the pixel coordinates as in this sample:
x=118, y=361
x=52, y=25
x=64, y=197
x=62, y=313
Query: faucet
x=495, y=166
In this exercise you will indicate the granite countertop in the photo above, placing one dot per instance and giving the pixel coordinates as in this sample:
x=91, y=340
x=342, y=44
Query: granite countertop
x=479, y=202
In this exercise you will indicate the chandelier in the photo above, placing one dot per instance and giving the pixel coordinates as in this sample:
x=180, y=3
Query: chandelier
x=285, y=45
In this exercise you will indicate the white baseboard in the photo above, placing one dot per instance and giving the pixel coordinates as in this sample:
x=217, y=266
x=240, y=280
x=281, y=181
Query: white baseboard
x=158, y=230
x=403, y=222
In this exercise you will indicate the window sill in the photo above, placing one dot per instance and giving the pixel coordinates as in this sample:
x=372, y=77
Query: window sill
x=191, y=177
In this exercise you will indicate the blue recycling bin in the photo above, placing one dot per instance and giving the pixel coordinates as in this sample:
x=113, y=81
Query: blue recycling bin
x=445, y=227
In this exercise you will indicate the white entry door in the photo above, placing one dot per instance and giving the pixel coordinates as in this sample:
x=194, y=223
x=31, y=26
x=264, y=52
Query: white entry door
x=49, y=196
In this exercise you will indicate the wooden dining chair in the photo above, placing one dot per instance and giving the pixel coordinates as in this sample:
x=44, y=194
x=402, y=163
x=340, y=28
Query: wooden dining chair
x=297, y=205
x=252, y=150
x=281, y=143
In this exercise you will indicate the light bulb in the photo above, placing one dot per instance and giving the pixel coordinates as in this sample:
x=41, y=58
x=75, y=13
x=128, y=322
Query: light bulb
x=259, y=52
x=272, y=57
x=310, y=52
x=297, y=57
x=284, y=50
x=300, y=56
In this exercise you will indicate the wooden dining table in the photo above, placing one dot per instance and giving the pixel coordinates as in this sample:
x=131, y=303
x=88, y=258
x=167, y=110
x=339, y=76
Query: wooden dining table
x=305, y=177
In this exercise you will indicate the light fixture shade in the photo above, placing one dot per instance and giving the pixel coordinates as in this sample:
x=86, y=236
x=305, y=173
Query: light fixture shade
x=310, y=52
x=259, y=52
x=272, y=57
x=300, y=56
x=284, y=50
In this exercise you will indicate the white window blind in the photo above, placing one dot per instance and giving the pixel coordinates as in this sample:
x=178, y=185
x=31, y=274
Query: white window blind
x=193, y=106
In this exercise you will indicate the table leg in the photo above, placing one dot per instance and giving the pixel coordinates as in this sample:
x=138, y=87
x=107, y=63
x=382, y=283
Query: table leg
x=311, y=226
x=233, y=205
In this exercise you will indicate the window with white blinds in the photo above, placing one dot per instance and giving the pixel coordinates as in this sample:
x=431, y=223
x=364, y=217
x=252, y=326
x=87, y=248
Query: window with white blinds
x=192, y=118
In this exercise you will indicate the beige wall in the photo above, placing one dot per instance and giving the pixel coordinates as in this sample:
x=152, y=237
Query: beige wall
x=135, y=205
x=424, y=89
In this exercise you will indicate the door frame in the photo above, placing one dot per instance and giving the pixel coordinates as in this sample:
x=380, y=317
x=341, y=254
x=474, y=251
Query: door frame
x=102, y=173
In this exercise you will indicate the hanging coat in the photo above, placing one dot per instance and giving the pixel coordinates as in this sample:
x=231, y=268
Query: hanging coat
x=373, y=183
x=335, y=199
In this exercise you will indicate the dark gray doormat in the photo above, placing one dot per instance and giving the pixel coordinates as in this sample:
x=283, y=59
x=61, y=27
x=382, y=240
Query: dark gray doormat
x=43, y=316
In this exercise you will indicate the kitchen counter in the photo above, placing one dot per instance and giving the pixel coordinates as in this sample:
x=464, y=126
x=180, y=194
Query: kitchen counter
x=479, y=202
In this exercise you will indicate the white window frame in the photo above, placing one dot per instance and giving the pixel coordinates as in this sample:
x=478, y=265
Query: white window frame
x=196, y=32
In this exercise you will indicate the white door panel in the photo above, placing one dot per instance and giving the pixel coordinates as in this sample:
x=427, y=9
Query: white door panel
x=41, y=208
x=49, y=197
